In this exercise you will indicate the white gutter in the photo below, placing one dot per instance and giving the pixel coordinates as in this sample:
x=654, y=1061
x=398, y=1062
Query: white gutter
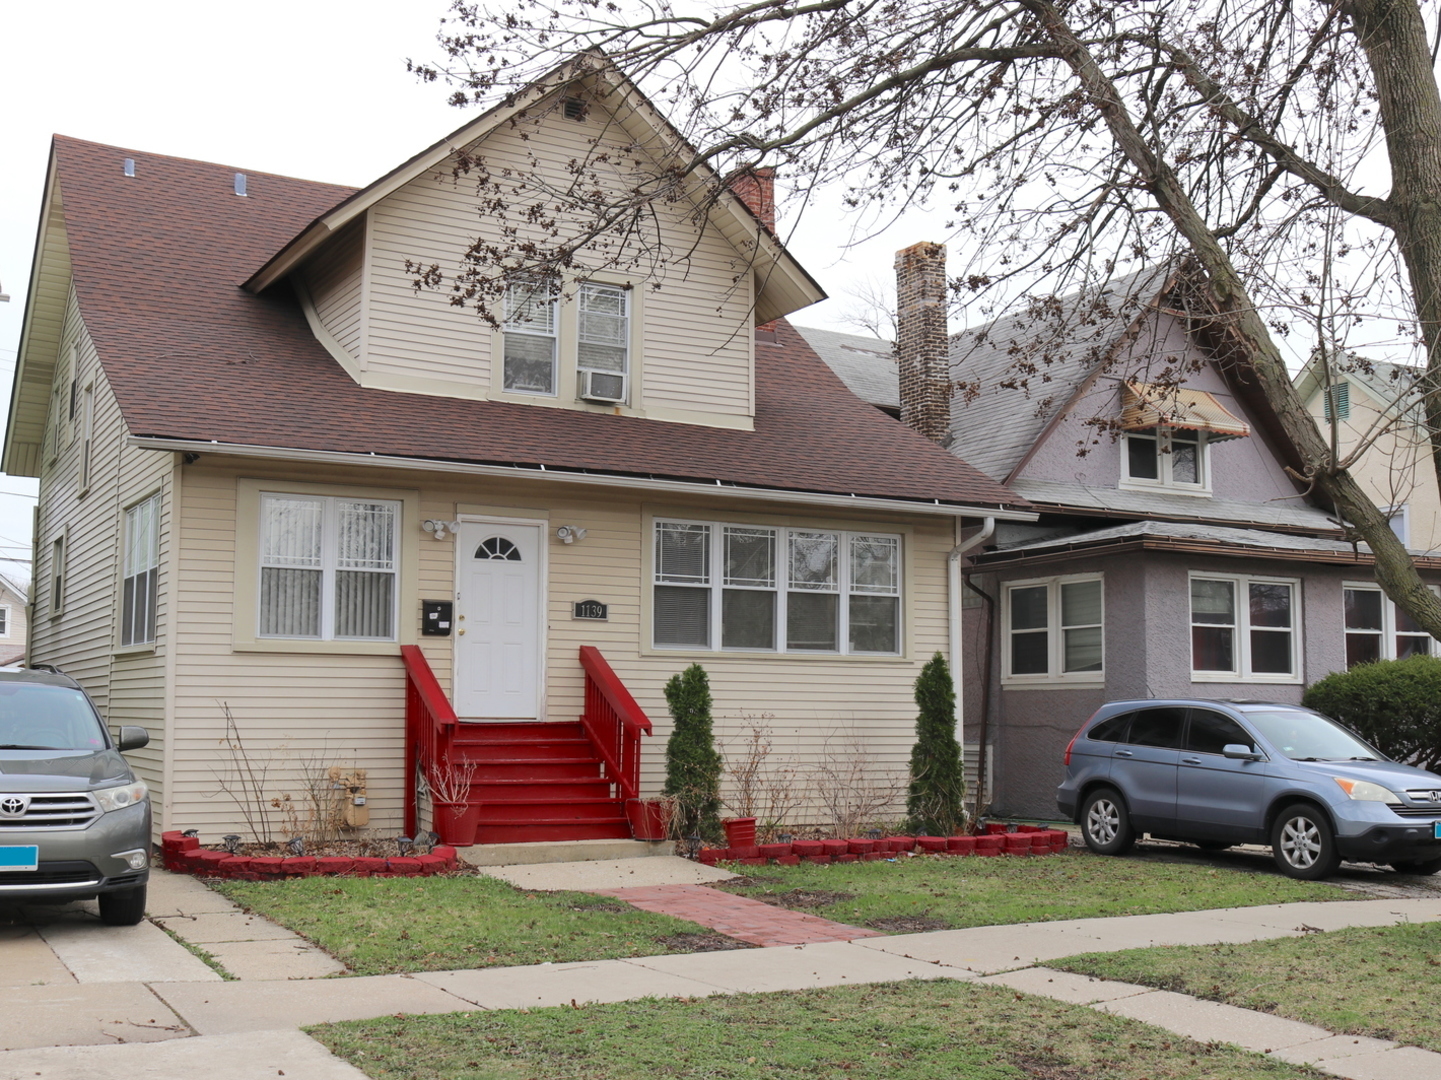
x=953, y=583
x=510, y=472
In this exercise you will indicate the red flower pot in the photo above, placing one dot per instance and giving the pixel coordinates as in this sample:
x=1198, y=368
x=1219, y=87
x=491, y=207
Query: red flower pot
x=456, y=823
x=649, y=818
x=740, y=831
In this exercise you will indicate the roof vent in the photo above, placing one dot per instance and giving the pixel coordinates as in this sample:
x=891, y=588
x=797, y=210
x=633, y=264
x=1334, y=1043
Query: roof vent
x=574, y=108
x=240, y=183
x=130, y=166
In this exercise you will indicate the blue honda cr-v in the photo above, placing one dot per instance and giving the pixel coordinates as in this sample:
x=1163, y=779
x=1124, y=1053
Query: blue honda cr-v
x=1217, y=773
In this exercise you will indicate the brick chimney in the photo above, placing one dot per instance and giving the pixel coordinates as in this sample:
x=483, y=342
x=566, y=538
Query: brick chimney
x=756, y=187
x=922, y=346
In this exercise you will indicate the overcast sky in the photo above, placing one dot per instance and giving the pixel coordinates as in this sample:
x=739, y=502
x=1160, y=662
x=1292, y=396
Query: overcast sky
x=309, y=88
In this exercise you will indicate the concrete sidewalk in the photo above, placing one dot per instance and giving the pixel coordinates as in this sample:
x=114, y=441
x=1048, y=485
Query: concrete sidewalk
x=174, y=1027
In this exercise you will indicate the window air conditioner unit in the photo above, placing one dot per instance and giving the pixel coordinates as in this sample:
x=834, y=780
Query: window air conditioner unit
x=606, y=386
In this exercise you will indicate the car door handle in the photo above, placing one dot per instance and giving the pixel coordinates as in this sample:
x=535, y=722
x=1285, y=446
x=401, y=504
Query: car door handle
x=1190, y=761
x=1125, y=753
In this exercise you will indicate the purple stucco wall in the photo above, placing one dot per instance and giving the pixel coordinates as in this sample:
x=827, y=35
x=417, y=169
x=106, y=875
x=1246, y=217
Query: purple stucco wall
x=1147, y=655
x=1245, y=470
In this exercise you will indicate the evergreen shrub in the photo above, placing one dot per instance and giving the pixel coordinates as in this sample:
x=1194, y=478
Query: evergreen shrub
x=1395, y=705
x=935, y=802
x=692, y=762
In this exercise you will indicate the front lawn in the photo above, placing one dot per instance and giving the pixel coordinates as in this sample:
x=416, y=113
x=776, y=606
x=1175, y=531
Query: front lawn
x=939, y=1030
x=1362, y=981
x=382, y=925
x=928, y=893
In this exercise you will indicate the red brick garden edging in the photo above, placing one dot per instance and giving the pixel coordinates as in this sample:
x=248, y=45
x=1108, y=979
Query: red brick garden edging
x=1027, y=840
x=183, y=854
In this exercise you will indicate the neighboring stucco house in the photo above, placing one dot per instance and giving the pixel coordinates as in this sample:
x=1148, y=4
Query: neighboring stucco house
x=268, y=462
x=1174, y=556
x=14, y=620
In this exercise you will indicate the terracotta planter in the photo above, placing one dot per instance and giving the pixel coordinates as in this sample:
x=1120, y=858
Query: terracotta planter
x=740, y=831
x=456, y=823
x=649, y=818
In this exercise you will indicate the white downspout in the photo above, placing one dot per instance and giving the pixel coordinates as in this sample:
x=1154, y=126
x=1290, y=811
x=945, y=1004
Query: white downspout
x=953, y=580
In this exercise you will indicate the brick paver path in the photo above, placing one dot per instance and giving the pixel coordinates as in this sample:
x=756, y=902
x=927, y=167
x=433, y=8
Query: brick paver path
x=737, y=916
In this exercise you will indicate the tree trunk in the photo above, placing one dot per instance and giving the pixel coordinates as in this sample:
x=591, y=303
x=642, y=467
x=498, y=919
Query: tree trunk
x=1395, y=571
x=1393, y=36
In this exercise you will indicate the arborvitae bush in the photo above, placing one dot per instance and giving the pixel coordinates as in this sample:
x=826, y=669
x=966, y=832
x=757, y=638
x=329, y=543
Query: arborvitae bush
x=692, y=762
x=936, y=799
x=1395, y=705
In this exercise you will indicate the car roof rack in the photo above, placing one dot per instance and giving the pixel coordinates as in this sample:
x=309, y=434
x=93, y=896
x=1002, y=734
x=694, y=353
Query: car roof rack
x=47, y=667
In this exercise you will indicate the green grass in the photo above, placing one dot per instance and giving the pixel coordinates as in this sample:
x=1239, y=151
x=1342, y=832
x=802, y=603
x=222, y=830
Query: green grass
x=1363, y=981
x=381, y=925
x=940, y=1030
x=961, y=892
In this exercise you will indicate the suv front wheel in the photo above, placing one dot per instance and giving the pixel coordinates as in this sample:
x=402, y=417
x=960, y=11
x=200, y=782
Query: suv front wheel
x=1106, y=824
x=1303, y=844
x=125, y=907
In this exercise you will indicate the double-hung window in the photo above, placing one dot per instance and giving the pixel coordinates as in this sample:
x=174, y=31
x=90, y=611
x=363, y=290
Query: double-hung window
x=1167, y=457
x=602, y=341
x=142, y=569
x=530, y=337
x=1244, y=628
x=769, y=589
x=1376, y=629
x=1054, y=629
x=327, y=568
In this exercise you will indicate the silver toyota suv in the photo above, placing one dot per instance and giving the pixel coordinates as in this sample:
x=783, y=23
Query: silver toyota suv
x=1217, y=773
x=74, y=819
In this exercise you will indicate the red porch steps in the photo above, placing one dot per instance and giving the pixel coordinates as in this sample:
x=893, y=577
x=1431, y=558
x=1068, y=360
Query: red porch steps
x=538, y=781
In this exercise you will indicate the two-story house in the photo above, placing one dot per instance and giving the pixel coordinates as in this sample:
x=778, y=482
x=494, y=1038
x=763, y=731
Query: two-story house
x=1174, y=555
x=270, y=464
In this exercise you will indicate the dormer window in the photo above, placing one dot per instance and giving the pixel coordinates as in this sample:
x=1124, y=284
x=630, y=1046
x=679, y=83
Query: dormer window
x=1168, y=434
x=530, y=337
x=1169, y=457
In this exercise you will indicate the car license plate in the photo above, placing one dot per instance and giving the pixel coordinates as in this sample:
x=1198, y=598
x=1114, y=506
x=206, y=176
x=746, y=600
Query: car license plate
x=19, y=858
x=1437, y=830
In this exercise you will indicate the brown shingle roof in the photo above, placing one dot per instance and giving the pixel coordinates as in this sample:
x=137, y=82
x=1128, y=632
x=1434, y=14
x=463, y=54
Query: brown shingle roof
x=158, y=261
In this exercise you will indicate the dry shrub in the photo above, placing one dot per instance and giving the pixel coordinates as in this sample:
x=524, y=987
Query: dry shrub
x=770, y=792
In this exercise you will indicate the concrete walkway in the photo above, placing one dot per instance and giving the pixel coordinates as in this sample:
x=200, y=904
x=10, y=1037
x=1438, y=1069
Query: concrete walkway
x=107, y=1004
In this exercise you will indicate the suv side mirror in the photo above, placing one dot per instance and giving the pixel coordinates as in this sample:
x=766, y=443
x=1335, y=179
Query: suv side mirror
x=132, y=738
x=1241, y=751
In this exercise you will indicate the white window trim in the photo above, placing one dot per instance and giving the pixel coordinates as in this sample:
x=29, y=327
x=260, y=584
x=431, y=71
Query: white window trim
x=567, y=368
x=55, y=590
x=1162, y=435
x=1401, y=511
x=1388, y=620
x=247, y=562
x=5, y=616
x=716, y=587
x=330, y=569
x=1242, y=645
x=1055, y=638
x=125, y=518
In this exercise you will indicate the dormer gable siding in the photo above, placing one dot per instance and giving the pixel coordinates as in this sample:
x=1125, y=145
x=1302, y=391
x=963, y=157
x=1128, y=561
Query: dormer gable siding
x=1081, y=449
x=690, y=293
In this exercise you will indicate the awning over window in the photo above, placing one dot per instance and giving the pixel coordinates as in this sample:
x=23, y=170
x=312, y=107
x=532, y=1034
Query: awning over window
x=1145, y=406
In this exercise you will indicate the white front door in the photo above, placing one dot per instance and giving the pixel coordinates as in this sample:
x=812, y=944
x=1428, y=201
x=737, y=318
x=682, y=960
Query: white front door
x=498, y=606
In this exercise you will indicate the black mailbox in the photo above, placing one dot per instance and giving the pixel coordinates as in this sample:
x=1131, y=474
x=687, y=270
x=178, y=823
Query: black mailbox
x=435, y=617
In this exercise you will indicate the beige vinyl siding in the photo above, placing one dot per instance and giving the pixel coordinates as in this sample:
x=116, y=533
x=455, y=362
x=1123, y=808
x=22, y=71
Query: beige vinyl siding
x=696, y=324
x=13, y=642
x=334, y=281
x=126, y=685
x=41, y=349
x=305, y=711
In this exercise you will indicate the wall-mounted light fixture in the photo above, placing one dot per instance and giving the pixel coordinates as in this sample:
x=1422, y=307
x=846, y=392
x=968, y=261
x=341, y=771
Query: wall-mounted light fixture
x=437, y=528
x=569, y=534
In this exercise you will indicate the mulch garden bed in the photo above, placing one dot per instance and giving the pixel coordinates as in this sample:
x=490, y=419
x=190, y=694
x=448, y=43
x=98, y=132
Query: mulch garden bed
x=270, y=862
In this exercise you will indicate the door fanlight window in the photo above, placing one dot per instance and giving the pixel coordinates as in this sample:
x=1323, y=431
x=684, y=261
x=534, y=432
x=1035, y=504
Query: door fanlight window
x=498, y=547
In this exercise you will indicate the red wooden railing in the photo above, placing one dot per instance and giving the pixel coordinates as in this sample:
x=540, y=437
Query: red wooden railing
x=613, y=721
x=429, y=726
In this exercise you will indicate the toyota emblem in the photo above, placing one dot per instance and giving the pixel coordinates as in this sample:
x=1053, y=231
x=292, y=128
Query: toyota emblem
x=13, y=806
